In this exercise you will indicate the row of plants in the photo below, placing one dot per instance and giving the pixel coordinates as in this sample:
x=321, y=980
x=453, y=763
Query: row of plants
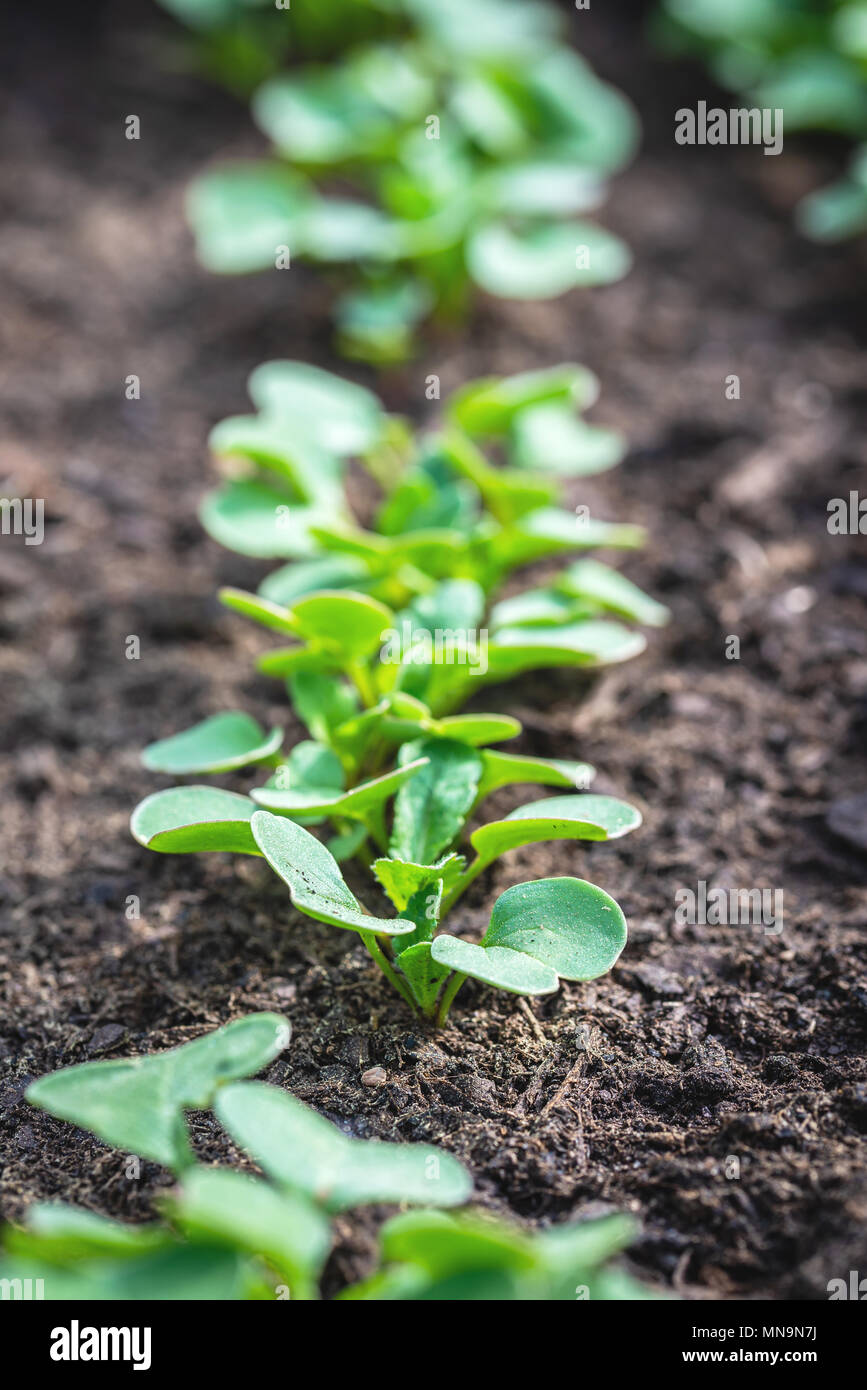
x=807, y=58
x=390, y=630
x=431, y=156
x=435, y=159
x=226, y=1234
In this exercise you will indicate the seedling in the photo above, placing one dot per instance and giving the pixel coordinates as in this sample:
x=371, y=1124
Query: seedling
x=391, y=631
x=226, y=1234
x=468, y=155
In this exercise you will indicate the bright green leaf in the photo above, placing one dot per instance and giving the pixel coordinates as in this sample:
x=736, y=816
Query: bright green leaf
x=190, y=820
x=314, y=880
x=138, y=1104
x=218, y=744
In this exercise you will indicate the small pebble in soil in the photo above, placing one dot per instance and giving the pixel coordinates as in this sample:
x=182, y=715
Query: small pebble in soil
x=374, y=1076
x=848, y=819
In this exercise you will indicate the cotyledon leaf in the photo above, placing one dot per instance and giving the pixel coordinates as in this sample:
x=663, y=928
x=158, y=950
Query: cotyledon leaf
x=334, y=413
x=301, y=1150
x=138, y=1104
x=590, y=579
x=218, y=744
x=342, y=620
x=190, y=820
x=255, y=519
x=313, y=877
x=357, y=803
x=506, y=769
x=281, y=1227
x=275, y=616
x=541, y=932
x=504, y=969
x=587, y=817
x=566, y=923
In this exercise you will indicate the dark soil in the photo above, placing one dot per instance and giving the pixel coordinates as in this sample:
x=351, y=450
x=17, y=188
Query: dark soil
x=709, y=1048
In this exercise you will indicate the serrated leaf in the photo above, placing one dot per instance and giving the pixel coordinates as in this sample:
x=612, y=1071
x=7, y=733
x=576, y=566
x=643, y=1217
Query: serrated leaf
x=430, y=810
x=298, y=1148
x=402, y=879
x=281, y=1227
x=425, y=976
x=138, y=1104
x=315, y=882
x=218, y=744
x=191, y=820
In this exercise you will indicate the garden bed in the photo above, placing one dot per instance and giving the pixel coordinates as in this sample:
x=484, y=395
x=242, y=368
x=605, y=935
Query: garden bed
x=706, y=1044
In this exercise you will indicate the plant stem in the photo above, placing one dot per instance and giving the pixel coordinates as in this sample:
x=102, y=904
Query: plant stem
x=447, y=1000
x=467, y=877
x=360, y=675
x=391, y=975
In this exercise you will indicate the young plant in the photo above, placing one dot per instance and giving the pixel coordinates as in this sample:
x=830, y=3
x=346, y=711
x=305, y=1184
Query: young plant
x=378, y=686
x=227, y=1235
x=465, y=156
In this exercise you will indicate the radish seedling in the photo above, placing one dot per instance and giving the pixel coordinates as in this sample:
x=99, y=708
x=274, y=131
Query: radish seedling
x=227, y=1235
x=466, y=156
x=389, y=632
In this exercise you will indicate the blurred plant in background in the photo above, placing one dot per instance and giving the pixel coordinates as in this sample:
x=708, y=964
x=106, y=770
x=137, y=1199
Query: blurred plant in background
x=808, y=57
x=444, y=156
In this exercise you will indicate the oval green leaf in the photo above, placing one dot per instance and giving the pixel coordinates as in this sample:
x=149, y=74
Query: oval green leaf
x=191, y=820
x=218, y=744
x=313, y=877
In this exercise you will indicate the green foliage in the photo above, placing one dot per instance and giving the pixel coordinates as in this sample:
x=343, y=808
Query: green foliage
x=435, y=1256
x=228, y=1235
x=463, y=162
x=807, y=59
x=139, y=1104
x=390, y=630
